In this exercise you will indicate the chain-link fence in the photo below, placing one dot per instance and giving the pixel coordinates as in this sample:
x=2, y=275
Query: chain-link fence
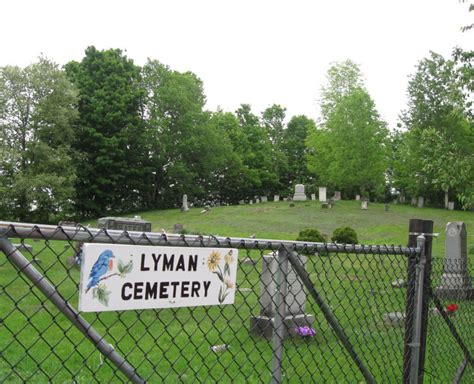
x=301, y=313
x=451, y=314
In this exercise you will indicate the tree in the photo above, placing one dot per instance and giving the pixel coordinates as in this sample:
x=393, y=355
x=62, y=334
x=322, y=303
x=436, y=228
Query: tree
x=441, y=129
x=294, y=148
x=187, y=147
x=37, y=108
x=341, y=80
x=253, y=144
x=348, y=152
x=273, y=119
x=110, y=135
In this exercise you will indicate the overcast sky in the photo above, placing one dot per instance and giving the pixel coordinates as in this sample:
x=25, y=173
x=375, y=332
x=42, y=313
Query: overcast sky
x=260, y=52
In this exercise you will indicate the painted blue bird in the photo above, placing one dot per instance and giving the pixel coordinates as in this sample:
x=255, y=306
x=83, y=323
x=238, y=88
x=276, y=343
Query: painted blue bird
x=101, y=266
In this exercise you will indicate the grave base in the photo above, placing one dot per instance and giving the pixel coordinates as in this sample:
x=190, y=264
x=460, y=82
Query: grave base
x=263, y=325
x=455, y=293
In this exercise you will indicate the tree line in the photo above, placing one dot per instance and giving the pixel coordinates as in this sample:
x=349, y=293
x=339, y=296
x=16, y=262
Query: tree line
x=106, y=136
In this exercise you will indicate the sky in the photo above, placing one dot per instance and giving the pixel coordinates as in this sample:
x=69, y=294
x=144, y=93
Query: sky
x=259, y=52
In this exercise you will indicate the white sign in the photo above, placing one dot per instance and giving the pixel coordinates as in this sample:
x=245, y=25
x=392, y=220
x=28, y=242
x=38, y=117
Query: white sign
x=118, y=277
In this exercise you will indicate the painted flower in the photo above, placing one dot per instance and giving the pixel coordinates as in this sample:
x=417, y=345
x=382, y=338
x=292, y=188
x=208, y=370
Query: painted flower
x=451, y=308
x=229, y=258
x=228, y=283
x=213, y=260
x=305, y=331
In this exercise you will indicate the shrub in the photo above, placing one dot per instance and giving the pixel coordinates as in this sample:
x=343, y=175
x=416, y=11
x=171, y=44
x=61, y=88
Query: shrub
x=344, y=235
x=312, y=235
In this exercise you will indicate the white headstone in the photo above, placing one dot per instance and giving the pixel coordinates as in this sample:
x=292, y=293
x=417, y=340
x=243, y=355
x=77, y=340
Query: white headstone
x=322, y=194
x=456, y=281
x=357, y=197
x=299, y=193
x=337, y=195
x=184, y=207
x=364, y=204
x=313, y=196
x=421, y=201
x=264, y=199
x=276, y=198
x=451, y=205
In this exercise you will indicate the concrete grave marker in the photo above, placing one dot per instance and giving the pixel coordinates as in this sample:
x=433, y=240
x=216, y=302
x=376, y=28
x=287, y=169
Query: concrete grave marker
x=322, y=194
x=264, y=199
x=456, y=281
x=294, y=297
x=299, y=193
x=337, y=195
x=313, y=196
x=364, y=205
x=451, y=205
x=184, y=207
x=276, y=198
x=421, y=201
x=357, y=197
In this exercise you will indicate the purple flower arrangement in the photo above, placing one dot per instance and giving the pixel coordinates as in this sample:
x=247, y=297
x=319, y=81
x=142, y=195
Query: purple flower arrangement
x=305, y=331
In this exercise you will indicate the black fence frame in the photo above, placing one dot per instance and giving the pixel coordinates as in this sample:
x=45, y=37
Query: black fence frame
x=419, y=290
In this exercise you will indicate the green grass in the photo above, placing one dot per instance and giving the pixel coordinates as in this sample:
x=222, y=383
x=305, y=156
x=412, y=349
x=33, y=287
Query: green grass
x=174, y=344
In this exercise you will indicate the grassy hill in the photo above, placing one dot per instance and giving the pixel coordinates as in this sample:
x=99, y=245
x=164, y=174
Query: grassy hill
x=282, y=222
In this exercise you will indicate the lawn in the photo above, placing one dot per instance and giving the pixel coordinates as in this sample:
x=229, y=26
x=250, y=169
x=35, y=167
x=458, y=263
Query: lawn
x=168, y=345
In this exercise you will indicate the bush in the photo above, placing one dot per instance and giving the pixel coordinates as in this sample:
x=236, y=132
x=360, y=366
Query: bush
x=344, y=235
x=312, y=235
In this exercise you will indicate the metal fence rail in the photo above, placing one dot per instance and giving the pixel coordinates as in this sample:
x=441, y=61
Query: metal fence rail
x=303, y=312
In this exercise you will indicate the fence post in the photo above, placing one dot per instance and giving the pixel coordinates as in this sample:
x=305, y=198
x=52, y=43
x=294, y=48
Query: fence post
x=428, y=231
x=278, y=321
x=415, y=344
x=417, y=227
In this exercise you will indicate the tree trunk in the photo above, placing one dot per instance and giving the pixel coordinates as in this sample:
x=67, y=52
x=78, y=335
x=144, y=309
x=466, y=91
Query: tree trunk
x=446, y=199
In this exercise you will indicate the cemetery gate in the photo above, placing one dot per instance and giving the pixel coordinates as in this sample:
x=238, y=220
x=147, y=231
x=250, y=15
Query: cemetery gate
x=302, y=312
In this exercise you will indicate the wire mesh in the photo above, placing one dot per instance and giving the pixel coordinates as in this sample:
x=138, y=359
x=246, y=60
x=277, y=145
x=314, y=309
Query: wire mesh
x=363, y=289
x=451, y=315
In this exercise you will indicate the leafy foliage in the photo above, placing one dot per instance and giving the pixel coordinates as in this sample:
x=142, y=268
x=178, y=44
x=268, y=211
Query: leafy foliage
x=436, y=153
x=312, y=235
x=344, y=235
x=348, y=152
x=37, y=109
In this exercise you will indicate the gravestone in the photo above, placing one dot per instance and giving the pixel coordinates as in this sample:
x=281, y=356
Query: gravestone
x=421, y=201
x=177, y=228
x=184, y=207
x=364, y=205
x=414, y=201
x=241, y=202
x=357, y=197
x=294, y=297
x=401, y=199
x=313, y=196
x=264, y=199
x=456, y=281
x=337, y=195
x=451, y=205
x=299, y=193
x=322, y=194
x=124, y=223
x=276, y=198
